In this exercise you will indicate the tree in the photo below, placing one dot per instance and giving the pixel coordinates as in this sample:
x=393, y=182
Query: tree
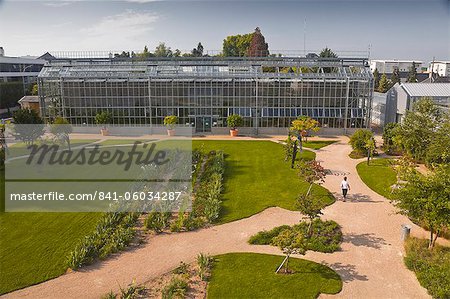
x=236, y=45
x=198, y=52
x=388, y=135
x=290, y=242
x=28, y=125
x=61, y=128
x=425, y=198
x=177, y=53
x=360, y=140
x=416, y=131
x=327, y=53
x=258, y=46
x=122, y=55
x=301, y=127
x=145, y=53
x=395, y=77
x=163, y=51
x=309, y=205
x=438, y=151
x=371, y=147
x=383, y=86
x=412, y=75
x=376, y=78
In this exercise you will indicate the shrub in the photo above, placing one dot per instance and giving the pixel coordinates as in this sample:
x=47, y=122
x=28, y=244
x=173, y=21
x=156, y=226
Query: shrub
x=432, y=267
x=265, y=237
x=204, y=263
x=326, y=236
x=359, y=140
x=103, y=118
x=181, y=269
x=157, y=221
x=176, y=288
x=113, y=233
x=170, y=121
x=132, y=291
x=234, y=121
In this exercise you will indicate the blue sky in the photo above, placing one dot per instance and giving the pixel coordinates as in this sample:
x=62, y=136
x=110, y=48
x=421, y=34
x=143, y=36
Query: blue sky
x=396, y=29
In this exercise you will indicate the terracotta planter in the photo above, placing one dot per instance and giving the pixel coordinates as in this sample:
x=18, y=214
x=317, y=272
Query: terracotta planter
x=104, y=132
x=171, y=132
x=233, y=132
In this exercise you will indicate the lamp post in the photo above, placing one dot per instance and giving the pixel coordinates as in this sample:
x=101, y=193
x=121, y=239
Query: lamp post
x=23, y=77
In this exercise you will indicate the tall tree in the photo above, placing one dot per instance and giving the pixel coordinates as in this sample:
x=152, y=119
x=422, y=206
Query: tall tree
x=439, y=149
x=258, y=46
x=425, y=198
x=383, y=86
x=28, y=125
x=327, y=53
x=236, y=45
x=376, y=78
x=416, y=131
x=412, y=75
x=395, y=77
x=198, y=52
x=163, y=51
x=290, y=242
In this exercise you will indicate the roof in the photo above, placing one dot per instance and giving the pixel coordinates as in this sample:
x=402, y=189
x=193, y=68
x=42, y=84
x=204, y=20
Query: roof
x=396, y=61
x=427, y=89
x=20, y=60
x=29, y=99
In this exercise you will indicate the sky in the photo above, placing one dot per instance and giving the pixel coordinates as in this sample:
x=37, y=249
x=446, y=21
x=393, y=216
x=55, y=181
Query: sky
x=392, y=29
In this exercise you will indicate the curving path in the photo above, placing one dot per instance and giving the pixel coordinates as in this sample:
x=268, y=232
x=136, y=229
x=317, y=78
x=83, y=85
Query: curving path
x=370, y=263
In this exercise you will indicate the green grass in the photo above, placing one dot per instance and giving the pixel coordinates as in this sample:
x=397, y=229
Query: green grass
x=432, y=267
x=20, y=148
x=378, y=176
x=316, y=144
x=123, y=141
x=257, y=177
x=251, y=275
x=34, y=246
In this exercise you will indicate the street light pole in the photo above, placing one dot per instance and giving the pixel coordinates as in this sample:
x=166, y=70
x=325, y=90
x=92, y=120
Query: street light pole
x=23, y=77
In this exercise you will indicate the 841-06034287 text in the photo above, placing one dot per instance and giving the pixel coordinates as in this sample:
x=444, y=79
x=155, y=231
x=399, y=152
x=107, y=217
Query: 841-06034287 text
x=98, y=195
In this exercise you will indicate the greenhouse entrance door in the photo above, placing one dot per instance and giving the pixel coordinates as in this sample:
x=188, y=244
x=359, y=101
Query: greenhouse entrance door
x=203, y=124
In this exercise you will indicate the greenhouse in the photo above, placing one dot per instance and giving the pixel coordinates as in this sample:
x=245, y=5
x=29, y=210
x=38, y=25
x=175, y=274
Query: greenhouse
x=267, y=92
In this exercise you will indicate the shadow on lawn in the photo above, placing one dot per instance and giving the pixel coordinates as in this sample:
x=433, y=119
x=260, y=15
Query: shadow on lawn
x=366, y=240
x=347, y=272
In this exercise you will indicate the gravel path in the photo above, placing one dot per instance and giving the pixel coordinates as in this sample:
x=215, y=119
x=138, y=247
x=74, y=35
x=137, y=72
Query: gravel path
x=370, y=263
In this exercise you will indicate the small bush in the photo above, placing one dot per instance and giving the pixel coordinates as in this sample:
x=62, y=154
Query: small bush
x=432, y=267
x=265, y=237
x=181, y=269
x=176, y=288
x=157, y=221
x=326, y=235
x=113, y=233
x=359, y=140
x=204, y=263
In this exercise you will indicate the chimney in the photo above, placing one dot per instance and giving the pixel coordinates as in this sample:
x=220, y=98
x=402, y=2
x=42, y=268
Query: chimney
x=2, y=52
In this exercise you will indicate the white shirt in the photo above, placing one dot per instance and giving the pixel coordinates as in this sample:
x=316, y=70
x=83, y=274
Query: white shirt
x=344, y=185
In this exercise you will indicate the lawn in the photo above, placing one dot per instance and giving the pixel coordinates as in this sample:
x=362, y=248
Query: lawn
x=432, y=267
x=34, y=246
x=378, y=176
x=316, y=144
x=251, y=275
x=20, y=148
x=257, y=177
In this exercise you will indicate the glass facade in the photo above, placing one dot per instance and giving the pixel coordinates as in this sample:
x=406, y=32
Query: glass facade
x=267, y=92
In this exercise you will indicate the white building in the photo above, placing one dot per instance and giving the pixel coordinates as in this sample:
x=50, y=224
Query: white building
x=388, y=66
x=442, y=68
x=402, y=97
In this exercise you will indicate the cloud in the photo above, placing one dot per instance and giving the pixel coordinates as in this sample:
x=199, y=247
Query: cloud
x=119, y=31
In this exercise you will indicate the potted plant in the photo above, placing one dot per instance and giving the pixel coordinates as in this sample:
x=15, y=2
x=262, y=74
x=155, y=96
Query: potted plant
x=103, y=118
x=170, y=121
x=234, y=121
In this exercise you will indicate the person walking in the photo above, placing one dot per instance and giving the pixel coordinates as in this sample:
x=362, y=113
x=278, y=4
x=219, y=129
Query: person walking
x=345, y=186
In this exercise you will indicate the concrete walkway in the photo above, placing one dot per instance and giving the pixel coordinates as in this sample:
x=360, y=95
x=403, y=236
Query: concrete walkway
x=370, y=263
